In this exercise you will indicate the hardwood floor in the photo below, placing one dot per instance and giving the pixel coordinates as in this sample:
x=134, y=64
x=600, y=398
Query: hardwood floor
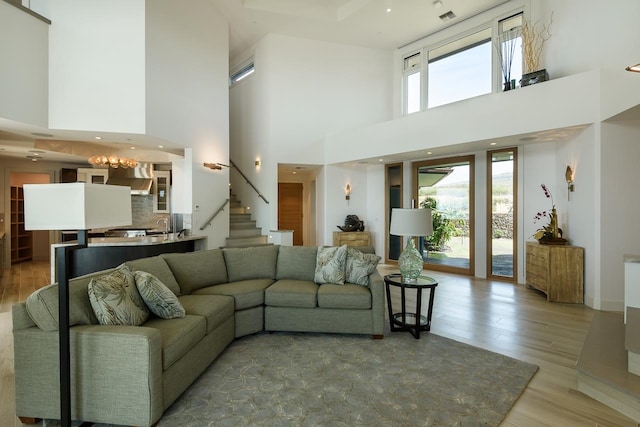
x=500, y=317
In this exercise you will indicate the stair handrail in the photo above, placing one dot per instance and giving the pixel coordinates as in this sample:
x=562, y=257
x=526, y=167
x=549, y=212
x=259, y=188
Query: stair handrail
x=215, y=214
x=249, y=182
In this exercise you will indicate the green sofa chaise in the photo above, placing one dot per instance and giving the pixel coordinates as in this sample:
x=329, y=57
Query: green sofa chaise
x=130, y=375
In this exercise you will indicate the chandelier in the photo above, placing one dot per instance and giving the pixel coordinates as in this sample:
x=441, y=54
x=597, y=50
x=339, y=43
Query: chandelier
x=113, y=161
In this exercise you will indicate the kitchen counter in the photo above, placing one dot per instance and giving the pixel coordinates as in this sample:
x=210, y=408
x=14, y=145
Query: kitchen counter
x=108, y=252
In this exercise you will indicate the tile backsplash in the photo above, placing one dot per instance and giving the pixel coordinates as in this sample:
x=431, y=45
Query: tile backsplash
x=143, y=215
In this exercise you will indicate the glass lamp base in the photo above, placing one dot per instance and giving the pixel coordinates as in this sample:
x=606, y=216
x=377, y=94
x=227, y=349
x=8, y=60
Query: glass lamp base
x=410, y=263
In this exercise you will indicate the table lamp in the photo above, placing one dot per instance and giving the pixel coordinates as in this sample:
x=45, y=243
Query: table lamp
x=410, y=223
x=72, y=206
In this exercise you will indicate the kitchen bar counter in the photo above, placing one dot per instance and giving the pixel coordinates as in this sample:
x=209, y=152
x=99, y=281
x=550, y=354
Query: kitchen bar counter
x=108, y=252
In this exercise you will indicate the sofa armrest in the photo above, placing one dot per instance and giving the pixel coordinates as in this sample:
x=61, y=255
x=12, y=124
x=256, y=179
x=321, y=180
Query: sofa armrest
x=116, y=374
x=376, y=285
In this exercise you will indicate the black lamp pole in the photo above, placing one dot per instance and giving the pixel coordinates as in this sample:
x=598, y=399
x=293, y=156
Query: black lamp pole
x=64, y=265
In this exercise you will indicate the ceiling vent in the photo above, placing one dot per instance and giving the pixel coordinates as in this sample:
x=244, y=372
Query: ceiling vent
x=447, y=16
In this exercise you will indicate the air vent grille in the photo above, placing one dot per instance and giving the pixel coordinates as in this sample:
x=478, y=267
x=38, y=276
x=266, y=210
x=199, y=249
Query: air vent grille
x=447, y=16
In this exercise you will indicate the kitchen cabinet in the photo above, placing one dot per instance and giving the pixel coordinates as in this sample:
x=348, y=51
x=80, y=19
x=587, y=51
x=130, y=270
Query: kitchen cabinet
x=161, y=193
x=556, y=270
x=93, y=175
x=21, y=239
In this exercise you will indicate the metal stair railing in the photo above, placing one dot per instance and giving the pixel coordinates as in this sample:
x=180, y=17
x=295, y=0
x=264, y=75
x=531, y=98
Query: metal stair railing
x=215, y=214
x=249, y=182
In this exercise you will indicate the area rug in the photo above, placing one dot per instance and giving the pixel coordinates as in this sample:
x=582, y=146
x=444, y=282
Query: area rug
x=303, y=379
x=295, y=379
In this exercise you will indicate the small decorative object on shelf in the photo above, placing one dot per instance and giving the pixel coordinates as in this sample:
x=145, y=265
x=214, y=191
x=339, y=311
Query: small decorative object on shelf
x=549, y=234
x=533, y=38
x=352, y=223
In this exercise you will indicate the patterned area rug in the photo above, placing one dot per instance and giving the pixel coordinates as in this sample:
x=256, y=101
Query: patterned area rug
x=291, y=379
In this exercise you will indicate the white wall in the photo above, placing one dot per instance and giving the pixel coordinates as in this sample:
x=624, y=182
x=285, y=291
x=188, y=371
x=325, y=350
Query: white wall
x=336, y=206
x=97, y=65
x=282, y=113
x=24, y=45
x=187, y=101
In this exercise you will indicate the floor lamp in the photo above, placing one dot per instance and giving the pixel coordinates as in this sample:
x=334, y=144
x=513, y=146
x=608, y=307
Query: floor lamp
x=411, y=223
x=74, y=206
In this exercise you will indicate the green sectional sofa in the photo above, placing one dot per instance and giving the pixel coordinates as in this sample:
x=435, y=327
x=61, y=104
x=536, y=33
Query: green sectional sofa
x=131, y=374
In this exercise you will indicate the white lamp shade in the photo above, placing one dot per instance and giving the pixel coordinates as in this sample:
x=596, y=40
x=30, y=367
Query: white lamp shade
x=411, y=222
x=76, y=206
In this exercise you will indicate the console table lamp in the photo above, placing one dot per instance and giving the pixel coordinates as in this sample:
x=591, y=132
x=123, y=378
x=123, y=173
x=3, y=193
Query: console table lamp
x=410, y=223
x=74, y=206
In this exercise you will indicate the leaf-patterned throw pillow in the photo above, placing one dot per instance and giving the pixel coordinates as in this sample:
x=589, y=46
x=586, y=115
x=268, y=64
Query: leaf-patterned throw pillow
x=330, y=265
x=360, y=266
x=115, y=299
x=159, y=298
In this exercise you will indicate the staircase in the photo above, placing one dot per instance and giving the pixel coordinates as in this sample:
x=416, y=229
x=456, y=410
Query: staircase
x=243, y=232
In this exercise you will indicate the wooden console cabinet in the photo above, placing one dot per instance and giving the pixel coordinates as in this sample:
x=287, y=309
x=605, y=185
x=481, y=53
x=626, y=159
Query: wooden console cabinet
x=556, y=270
x=351, y=238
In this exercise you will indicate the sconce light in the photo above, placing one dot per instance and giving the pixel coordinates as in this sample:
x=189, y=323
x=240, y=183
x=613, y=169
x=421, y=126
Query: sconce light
x=568, y=174
x=634, y=68
x=215, y=166
x=347, y=192
x=258, y=163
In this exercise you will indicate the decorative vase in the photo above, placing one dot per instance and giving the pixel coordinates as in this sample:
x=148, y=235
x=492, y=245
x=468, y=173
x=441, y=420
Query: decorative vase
x=507, y=85
x=410, y=262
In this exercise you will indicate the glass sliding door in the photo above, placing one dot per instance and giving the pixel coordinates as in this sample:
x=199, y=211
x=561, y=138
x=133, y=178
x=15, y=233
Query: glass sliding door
x=393, y=179
x=446, y=187
x=501, y=241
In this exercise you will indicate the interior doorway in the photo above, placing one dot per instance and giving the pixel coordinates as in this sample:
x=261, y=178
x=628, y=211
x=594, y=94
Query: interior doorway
x=290, y=209
x=25, y=245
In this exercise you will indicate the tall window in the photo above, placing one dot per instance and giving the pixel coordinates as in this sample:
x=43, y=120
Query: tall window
x=413, y=83
x=460, y=70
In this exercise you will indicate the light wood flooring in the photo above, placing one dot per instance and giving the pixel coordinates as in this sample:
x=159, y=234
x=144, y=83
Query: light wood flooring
x=497, y=316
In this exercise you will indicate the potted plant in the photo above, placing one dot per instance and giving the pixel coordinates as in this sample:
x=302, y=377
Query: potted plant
x=549, y=234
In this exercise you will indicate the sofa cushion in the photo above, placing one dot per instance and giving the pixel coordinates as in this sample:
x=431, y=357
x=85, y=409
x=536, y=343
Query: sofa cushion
x=216, y=309
x=178, y=336
x=116, y=300
x=157, y=266
x=297, y=262
x=195, y=270
x=330, y=265
x=344, y=296
x=158, y=298
x=246, y=293
x=359, y=266
x=42, y=305
x=251, y=263
x=292, y=293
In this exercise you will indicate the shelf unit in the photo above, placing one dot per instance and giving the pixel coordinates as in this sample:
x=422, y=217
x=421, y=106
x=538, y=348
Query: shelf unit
x=21, y=239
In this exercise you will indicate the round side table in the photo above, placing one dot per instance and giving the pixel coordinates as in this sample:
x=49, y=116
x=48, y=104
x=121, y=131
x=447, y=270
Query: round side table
x=406, y=321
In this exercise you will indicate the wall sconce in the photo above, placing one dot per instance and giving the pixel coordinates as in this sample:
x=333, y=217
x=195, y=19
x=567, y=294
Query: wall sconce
x=258, y=163
x=215, y=166
x=634, y=68
x=568, y=174
x=347, y=192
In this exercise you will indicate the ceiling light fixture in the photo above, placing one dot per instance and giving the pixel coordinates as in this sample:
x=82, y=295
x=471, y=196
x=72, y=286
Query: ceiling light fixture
x=112, y=161
x=98, y=137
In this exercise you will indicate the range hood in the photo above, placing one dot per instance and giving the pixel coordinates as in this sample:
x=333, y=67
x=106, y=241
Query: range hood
x=138, y=178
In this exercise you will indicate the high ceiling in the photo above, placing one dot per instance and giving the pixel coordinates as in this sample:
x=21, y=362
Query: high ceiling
x=358, y=22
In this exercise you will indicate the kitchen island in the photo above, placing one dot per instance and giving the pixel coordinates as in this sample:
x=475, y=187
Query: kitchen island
x=108, y=252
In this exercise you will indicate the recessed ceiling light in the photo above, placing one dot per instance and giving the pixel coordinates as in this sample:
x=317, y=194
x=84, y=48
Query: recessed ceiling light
x=34, y=158
x=98, y=137
x=160, y=146
x=381, y=160
x=133, y=148
x=493, y=143
x=428, y=152
x=294, y=172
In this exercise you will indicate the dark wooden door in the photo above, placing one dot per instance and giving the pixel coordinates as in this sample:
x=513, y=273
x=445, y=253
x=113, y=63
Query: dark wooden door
x=290, y=209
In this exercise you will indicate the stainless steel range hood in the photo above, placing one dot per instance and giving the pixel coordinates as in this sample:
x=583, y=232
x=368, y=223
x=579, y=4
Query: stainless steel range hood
x=139, y=178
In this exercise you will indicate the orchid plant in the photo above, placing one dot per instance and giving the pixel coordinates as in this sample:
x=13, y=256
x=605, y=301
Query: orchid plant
x=551, y=230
